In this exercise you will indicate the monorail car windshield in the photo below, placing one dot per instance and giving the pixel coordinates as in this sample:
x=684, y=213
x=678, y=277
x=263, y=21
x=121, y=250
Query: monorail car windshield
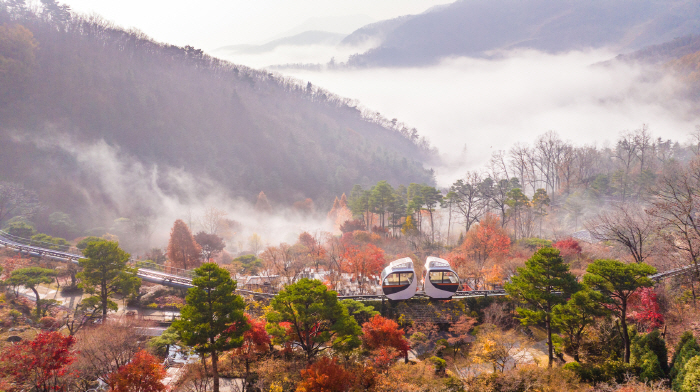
x=399, y=279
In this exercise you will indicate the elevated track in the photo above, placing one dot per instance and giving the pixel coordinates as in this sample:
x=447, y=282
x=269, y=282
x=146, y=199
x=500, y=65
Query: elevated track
x=180, y=278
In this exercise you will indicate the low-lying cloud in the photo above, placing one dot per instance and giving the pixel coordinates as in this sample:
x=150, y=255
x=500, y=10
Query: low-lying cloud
x=116, y=184
x=294, y=54
x=470, y=107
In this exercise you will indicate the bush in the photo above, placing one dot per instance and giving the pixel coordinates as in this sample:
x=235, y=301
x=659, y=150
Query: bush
x=608, y=371
x=82, y=244
x=48, y=322
x=650, y=343
x=21, y=229
x=534, y=243
x=691, y=381
x=439, y=363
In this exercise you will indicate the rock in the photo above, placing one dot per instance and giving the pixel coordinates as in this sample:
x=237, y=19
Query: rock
x=14, y=339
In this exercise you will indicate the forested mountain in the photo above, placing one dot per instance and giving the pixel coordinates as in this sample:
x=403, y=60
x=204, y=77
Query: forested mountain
x=73, y=85
x=475, y=27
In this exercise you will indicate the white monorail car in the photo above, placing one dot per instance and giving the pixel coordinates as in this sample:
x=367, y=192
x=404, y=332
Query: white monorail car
x=440, y=280
x=399, y=279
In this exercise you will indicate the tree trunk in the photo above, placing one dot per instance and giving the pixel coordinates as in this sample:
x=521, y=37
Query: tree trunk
x=215, y=369
x=38, y=307
x=549, y=341
x=625, y=333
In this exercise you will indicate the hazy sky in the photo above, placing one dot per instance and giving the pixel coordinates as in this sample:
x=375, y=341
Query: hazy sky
x=209, y=24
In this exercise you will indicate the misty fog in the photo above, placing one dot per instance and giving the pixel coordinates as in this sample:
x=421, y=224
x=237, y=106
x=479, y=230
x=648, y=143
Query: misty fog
x=470, y=107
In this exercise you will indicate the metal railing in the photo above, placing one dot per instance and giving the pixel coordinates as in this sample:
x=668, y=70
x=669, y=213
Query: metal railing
x=38, y=244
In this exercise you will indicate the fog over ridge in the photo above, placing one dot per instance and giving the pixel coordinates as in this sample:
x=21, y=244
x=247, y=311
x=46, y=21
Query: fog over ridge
x=470, y=107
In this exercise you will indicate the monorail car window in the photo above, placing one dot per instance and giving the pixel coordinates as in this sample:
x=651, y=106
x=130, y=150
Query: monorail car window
x=396, y=279
x=391, y=280
x=442, y=277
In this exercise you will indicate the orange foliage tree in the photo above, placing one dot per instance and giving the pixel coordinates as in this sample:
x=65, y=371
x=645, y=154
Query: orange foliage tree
x=143, y=374
x=383, y=336
x=488, y=241
x=326, y=375
x=316, y=253
x=363, y=263
x=183, y=250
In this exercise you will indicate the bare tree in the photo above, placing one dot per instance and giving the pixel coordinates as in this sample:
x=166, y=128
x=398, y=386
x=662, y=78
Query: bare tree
x=212, y=220
x=675, y=203
x=469, y=201
x=627, y=225
x=106, y=348
x=284, y=261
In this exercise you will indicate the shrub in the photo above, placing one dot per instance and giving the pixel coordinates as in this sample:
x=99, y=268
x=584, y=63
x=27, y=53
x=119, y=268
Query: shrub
x=568, y=247
x=48, y=322
x=534, y=243
x=439, y=363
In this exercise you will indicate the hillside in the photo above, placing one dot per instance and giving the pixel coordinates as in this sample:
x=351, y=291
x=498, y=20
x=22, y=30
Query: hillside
x=84, y=103
x=476, y=27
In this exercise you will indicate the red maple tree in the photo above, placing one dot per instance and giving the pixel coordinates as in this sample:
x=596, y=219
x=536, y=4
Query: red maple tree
x=143, y=374
x=256, y=343
x=384, y=337
x=40, y=364
x=363, y=263
x=645, y=310
x=325, y=375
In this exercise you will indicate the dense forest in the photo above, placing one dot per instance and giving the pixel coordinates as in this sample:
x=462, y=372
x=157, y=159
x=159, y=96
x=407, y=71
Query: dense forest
x=74, y=85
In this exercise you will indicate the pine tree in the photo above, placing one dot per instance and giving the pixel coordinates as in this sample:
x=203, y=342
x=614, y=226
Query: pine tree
x=544, y=282
x=211, y=310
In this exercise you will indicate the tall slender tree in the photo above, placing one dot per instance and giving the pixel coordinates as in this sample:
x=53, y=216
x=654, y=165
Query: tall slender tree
x=212, y=320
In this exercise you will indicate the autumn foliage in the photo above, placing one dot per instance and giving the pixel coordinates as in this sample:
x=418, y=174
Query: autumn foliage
x=183, y=250
x=645, y=310
x=568, y=247
x=487, y=240
x=380, y=334
x=256, y=342
x=326, y=375
x=40, y=364
x=484, y=243
x=364, y=262
x=143, y=374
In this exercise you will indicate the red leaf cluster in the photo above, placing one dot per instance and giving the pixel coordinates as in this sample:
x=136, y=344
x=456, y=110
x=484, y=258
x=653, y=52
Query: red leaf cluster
x=326, y=375
x=568, y=247
x=645, y=310
x=380, y=332
x=256, y=340
x=40, y=364
x=143, y=374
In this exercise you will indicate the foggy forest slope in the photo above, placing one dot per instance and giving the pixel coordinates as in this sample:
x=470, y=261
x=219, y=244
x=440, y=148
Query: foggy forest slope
x=74, y=86
x=475, y=27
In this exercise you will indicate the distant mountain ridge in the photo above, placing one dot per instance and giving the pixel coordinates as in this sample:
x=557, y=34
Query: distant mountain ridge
x=479, y=27
x=301, y=39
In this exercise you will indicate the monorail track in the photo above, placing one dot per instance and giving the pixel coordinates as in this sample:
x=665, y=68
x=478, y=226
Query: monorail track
x=182, y=278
